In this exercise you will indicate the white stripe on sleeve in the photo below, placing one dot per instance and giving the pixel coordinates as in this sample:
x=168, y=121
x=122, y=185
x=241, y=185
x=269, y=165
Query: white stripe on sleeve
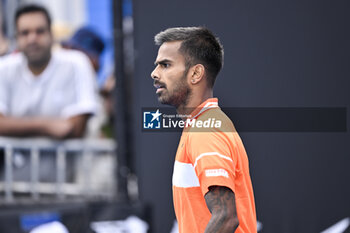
x=184, y=175
x=211, y=154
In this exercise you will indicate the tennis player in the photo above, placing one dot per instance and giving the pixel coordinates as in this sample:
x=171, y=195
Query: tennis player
x=212, y=189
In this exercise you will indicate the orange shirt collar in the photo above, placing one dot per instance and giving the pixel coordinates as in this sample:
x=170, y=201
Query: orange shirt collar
x=208, y=104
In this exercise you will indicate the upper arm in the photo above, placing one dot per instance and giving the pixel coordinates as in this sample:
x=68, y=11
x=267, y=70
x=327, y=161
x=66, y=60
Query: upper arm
x=84, y=85
x=3, y=93
x=221, y=203
x=85, y=78
x=220, y=199
x=215, y=166
x=213, y=161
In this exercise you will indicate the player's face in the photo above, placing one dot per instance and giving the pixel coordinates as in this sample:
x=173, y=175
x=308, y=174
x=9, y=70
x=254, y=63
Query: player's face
x=170, y=75
x=34, y=37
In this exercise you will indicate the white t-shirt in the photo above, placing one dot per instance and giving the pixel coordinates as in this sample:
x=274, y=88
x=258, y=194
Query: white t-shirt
x=66, y=88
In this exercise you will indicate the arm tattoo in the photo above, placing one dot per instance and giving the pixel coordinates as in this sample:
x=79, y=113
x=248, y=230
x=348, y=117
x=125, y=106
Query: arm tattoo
x=221, y=204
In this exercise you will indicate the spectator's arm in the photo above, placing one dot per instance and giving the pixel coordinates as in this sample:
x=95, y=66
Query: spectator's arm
x=78, y=125
x=57, y=128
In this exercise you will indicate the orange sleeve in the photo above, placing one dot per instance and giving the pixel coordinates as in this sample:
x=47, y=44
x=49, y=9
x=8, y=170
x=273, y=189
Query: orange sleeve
x=211, y=156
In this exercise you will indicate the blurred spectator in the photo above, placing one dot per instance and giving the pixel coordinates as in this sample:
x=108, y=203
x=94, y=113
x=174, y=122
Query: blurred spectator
x=44, y=93
x=4, y=42
x=4, y=45
x=90, y=42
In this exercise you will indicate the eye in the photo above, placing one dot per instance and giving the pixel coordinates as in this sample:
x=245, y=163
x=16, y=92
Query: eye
x=165, y=65
x=40, y=31
x=23, y=33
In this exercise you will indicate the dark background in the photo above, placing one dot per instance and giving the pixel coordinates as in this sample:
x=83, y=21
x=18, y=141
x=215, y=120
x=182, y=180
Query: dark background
x=277, y=54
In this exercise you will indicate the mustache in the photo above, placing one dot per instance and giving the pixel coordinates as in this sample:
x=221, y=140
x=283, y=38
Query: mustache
x=159, y=83
x=33, y=46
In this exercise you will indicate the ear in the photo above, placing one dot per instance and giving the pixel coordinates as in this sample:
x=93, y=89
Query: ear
x=197, y=73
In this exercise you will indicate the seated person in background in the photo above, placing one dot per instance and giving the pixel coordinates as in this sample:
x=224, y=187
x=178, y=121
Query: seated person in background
x=88, y=41
x=4, y=43
x=44, y=93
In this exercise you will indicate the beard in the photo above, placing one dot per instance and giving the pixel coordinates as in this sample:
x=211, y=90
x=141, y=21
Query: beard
x=37, y=56
x=178, y=95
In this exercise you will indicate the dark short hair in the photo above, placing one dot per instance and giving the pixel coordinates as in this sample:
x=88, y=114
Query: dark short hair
x=25, y=9
x=199, y=46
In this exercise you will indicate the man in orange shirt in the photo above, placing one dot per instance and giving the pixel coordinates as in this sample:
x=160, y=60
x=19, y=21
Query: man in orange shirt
x=212, y=190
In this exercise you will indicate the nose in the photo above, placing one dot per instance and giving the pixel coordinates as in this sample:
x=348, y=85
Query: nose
x=154, y=74
x=32, y=37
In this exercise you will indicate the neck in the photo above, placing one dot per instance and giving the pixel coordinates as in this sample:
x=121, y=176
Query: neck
x=195, y=100
x=38, y=68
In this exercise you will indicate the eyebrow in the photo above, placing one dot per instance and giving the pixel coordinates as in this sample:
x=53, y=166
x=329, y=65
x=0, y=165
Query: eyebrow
x=162, y=61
